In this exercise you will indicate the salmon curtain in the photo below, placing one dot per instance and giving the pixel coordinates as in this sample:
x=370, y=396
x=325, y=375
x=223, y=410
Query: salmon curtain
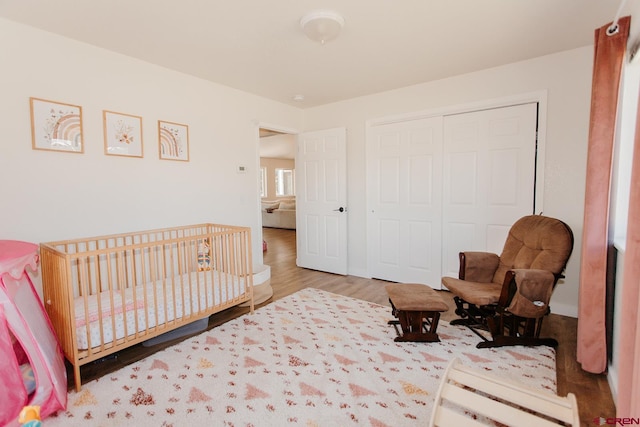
x=607, y=65
x=628, y=349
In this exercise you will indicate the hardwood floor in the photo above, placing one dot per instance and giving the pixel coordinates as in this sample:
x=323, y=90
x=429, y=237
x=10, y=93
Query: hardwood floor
x=592, y=391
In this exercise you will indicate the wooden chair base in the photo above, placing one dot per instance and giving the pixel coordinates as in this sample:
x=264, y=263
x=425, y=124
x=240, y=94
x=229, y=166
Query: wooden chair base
x=508, y=330
x=506, y=340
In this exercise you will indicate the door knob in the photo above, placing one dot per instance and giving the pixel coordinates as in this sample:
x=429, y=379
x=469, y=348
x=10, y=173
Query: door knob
x=340, y=209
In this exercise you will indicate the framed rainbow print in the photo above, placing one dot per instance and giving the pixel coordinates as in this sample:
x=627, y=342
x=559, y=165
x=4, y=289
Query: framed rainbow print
x=173, y=141
x=56, y=126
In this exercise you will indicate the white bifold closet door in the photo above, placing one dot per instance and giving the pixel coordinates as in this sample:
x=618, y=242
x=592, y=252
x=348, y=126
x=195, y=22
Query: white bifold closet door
x=404, y=182
x=447, y=184
x=489, y=178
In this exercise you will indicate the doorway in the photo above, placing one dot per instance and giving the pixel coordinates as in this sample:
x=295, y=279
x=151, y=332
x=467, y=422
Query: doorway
x=276, y=151
x=319, y=199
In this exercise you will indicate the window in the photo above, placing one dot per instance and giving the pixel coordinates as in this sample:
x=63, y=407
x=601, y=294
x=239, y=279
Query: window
x=285, y=185
x=625, y=134
x=263, y=181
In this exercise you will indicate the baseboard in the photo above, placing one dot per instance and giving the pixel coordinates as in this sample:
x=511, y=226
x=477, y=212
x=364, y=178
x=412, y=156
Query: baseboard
x=358, y=273
x=612, y=379
x=564, y=309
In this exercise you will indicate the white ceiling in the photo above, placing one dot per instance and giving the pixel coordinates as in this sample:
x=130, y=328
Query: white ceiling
x=257, y=45
x=281, y=146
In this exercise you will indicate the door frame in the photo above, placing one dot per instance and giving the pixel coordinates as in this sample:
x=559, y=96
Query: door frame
x=540, y=97
x=257, y=242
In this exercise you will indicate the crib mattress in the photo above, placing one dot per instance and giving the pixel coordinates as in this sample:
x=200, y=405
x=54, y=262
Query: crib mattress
x=125, y=316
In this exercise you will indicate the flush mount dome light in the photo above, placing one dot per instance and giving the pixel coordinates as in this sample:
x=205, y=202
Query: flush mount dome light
x=322, y=25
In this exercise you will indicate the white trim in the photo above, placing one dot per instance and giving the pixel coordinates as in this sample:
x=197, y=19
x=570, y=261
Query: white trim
x=258, y=256
x=524, y=98
x=564, y=309
x=542, y=151
x=262, y=125
x=612, y=379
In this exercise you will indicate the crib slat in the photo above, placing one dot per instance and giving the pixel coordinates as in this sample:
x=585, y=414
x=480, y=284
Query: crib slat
x=140, y=271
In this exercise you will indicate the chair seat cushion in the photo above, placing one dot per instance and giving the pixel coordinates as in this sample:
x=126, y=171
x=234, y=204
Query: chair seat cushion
x=477, y=293
x=415, y=297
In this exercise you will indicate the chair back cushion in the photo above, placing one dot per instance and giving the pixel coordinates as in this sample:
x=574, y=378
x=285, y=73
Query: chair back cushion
x=536, y=241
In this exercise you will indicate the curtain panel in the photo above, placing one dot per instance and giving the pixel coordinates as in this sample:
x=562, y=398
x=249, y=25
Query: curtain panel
x=607, y=66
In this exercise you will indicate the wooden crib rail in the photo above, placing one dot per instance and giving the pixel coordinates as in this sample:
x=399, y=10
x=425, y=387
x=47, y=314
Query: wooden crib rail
x=106, y=293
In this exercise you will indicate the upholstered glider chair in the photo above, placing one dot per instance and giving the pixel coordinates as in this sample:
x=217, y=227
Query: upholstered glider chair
x=509, y=295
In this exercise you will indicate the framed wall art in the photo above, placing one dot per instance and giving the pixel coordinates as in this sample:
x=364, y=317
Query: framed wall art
x=122, y=134
x=173, y=141
x=56, y=126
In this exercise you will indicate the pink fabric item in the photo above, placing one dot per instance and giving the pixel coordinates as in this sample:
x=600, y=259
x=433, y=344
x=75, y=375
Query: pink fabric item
x=105, y=303
x=628, y=402
x=14, y=395
x=15, y=256
x=24, y=317
x=609, y=53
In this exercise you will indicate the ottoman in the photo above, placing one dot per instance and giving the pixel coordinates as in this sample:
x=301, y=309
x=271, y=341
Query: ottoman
x=417, y=308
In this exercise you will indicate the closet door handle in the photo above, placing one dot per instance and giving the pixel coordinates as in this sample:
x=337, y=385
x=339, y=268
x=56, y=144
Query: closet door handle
x=340, y=209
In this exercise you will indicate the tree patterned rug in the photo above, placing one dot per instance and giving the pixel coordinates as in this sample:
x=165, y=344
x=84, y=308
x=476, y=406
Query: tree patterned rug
x=313, y=358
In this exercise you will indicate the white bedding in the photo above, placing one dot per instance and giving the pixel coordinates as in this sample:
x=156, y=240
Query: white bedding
x=123, y=321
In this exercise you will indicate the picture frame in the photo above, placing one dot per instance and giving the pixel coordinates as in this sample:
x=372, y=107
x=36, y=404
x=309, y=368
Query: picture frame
x=56, y=126
x=173, y=141
x=122, y=134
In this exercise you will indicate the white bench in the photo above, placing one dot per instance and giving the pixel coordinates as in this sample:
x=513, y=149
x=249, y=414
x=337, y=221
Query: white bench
x=465, y=392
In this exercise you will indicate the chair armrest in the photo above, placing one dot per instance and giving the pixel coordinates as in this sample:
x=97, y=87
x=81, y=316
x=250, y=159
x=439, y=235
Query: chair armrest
x=532, y=293
x=478, y=266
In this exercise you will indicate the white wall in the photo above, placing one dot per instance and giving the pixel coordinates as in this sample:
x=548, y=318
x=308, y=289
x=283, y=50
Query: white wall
x=565, y=76
x=50, y=195
x=54, y=195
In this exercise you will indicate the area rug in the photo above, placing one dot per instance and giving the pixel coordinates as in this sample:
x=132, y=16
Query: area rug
x=313, y=358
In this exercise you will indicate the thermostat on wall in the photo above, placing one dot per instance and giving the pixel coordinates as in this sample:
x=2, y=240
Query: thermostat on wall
x=242, y=169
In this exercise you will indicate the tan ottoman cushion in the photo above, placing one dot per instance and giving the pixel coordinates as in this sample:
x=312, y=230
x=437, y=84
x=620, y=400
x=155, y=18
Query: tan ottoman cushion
x=415, y=297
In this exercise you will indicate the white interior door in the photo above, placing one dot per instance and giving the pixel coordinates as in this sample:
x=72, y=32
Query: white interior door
x=489, y=178
x=404, y=194
x=321, y=197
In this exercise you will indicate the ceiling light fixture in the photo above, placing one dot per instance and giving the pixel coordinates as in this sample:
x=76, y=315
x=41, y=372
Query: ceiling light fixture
x=322, y=25
x=298, y=98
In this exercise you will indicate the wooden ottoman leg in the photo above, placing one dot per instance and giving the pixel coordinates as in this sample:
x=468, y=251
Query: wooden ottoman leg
x=433, y=322
x=412, y=327
x=417, y=310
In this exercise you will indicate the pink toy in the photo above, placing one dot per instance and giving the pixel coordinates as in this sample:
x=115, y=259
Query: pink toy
x=27, y=339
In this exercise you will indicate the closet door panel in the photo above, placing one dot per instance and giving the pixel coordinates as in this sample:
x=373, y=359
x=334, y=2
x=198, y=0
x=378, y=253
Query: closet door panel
x=442, y=185
x=404, y=184
x=461, y=174
x=489, y=178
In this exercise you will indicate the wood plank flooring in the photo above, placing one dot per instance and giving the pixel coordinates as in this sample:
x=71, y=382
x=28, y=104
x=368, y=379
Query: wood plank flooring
x=592, y=391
